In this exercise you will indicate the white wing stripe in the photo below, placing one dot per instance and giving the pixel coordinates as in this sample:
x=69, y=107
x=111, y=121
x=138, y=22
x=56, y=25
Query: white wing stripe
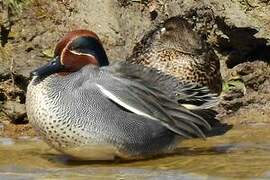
x=123, y=104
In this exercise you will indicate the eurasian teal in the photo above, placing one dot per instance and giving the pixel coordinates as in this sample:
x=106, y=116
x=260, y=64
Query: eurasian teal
x=90, y=110
x=176, y=49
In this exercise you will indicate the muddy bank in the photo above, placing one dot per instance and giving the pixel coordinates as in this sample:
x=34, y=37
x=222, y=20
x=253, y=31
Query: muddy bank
x=239, y=31
x=247, y=95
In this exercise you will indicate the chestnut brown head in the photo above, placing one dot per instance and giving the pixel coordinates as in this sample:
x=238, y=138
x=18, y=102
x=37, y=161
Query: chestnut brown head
x=75, y=50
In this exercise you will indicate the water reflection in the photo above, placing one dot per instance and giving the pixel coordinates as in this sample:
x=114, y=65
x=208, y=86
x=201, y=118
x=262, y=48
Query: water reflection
x=241, y=153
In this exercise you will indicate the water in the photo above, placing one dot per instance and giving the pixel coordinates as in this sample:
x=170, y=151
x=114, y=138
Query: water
x=240, y=153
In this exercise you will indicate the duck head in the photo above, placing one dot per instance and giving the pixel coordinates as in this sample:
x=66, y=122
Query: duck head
x=178, y=33
x=75, y=50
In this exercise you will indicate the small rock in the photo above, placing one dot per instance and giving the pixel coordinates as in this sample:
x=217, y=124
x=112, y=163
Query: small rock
x=1, y=129
x=6, y=141
x=15, y=111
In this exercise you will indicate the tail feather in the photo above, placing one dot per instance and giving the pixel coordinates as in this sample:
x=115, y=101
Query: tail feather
x=217, y=127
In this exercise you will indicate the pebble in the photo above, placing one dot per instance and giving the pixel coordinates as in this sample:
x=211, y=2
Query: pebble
x=6, y=141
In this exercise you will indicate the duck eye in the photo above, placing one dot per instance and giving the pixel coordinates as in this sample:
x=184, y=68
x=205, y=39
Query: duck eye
x=169, y=28
x=53, y=62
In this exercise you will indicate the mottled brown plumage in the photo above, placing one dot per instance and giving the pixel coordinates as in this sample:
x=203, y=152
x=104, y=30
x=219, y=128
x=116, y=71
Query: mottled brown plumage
x=176, y=49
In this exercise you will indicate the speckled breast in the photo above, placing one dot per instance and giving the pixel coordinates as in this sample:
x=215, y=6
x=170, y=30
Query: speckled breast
x=59, y=129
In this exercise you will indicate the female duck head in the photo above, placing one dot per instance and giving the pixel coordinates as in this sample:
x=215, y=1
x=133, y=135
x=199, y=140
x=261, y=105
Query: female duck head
x=75, y=50
x=177, y=33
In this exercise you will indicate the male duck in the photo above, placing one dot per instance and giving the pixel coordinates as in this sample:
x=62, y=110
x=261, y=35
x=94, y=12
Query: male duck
x=89, y=110
x=176, y=49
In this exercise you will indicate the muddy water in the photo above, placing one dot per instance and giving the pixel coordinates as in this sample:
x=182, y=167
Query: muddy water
x=241, y=153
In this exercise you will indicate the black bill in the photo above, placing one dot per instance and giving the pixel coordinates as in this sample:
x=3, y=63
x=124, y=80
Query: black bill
x=52, y=67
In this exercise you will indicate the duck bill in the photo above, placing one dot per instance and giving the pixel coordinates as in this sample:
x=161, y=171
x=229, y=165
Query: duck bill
x=52, y=67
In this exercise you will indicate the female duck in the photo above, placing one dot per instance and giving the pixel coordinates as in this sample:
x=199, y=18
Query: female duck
x=89, y=110
x=177, y=50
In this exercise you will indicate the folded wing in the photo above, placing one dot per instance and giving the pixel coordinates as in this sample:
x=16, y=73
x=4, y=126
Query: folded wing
x=144, y=98
x=190, y=95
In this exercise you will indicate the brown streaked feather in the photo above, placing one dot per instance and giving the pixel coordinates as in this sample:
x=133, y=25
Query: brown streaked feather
x=180, y=52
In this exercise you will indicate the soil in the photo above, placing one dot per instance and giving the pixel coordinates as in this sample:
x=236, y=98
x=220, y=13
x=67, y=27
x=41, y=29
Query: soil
x=239, y=32
x=16, y=130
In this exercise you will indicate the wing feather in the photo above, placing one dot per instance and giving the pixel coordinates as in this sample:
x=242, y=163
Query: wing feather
x=143, y=101
x=190, y=95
